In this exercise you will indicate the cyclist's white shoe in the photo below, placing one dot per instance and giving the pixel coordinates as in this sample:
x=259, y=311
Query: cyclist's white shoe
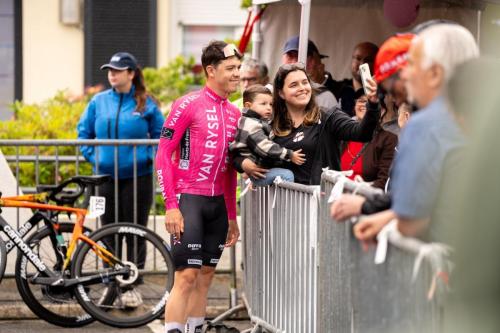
x=103, y=296
x=131, y=298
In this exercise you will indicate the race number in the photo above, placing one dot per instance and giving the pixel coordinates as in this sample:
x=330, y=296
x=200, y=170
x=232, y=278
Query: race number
x=97, y=206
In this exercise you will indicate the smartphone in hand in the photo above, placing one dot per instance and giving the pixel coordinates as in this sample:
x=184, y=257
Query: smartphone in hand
x=364, y=72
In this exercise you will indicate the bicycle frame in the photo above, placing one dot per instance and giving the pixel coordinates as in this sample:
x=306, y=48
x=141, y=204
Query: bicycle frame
x=27, y=227
x=32, y=221
x=26, y=201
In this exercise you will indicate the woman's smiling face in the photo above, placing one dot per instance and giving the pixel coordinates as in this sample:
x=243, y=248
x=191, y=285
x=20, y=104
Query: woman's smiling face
x=296, y=90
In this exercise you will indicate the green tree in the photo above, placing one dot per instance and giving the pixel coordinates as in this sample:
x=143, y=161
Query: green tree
x=174, y=80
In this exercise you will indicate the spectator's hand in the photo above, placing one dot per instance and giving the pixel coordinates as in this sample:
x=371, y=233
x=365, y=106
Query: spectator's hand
x=372, y=91
x=346, y=206
x=233, y=233
x=174, y=222
x=368, y=227
x=252, y=169
x=298, y=157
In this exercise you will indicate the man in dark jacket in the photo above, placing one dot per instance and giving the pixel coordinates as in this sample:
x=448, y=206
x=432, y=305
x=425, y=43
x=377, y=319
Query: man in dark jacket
x=344, y=90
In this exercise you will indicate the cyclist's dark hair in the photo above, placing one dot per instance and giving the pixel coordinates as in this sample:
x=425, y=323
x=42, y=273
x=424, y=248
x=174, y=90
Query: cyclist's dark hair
x=252, y=92
x=213, y=54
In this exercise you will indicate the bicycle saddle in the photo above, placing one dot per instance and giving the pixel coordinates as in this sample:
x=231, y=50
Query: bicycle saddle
x=92, y=180
x=46, y=188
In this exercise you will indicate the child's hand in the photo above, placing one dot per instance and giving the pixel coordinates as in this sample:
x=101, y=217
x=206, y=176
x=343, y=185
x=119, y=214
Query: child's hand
x=298, y=157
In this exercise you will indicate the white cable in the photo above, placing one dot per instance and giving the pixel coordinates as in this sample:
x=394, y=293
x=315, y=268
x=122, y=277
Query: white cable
x=248, y=184
x=278, y=180
x=383, y=240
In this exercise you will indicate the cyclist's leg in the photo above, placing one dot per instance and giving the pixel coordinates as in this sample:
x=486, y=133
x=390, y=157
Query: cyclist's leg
x=214, y=238
x=188, y=259
x=184, y=282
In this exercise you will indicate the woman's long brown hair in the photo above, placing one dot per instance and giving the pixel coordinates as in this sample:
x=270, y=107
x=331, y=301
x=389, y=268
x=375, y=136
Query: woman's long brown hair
x=141, y=95
x=282, y=123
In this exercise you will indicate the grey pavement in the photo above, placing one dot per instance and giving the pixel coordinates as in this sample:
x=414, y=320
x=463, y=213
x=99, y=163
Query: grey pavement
x=15, y=317
x=39, y=326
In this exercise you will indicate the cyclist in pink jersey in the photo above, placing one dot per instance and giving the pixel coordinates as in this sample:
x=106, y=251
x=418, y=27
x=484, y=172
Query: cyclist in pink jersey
x=198, y=184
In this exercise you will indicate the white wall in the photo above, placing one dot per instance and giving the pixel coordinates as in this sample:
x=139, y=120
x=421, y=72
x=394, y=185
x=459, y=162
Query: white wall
x=52, y=52
x=162, y=36
x=201, y=13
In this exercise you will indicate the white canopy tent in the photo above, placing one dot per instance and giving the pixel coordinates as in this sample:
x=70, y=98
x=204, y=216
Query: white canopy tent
x=336, y=26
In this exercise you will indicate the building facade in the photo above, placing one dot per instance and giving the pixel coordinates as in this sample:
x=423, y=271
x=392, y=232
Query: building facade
x=52, y=45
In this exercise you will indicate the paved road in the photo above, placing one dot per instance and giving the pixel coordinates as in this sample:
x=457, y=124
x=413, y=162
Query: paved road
x=39, y=326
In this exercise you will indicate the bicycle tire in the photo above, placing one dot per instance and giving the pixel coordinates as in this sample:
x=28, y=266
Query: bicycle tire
x=56, y=305
x=104, y=300
x=3, y=258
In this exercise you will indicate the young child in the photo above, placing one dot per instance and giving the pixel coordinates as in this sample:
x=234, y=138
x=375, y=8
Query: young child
x=254, y=137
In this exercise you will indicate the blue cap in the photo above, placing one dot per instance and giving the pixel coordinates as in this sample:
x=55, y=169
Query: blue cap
x=121, y=61
x=293, y=45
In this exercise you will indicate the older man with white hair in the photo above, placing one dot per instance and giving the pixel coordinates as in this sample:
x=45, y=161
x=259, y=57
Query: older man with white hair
x=432, y=140
x=252, y=72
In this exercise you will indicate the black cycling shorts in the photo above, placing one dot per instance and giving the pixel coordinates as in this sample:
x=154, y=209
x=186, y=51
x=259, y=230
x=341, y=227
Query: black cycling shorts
x=205, y=231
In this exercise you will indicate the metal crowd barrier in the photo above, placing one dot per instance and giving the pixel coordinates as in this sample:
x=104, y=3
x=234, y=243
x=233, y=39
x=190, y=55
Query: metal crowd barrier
x=280, y=256
x=304, y=272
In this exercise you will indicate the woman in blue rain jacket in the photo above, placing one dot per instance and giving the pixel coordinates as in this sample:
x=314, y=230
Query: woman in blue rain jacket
x=125, y=112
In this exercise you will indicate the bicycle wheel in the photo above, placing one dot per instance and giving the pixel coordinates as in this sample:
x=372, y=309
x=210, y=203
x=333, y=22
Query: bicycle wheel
x=125, y=300
x=54, y=304
x=3, y=258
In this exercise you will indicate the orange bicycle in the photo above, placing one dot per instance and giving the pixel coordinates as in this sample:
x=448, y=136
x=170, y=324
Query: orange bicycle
x=62, y=268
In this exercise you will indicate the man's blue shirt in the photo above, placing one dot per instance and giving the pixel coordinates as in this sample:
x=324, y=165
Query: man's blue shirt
x=429, y=139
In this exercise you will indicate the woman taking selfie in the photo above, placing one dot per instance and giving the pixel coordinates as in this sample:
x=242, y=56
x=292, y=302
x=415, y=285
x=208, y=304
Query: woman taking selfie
x=298, y=123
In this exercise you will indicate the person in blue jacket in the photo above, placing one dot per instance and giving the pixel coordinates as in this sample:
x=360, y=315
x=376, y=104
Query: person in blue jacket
x=126, y=111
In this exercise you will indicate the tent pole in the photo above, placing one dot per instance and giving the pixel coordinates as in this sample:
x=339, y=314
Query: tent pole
x=256, y=36
x=304, y=29
x=478, y=36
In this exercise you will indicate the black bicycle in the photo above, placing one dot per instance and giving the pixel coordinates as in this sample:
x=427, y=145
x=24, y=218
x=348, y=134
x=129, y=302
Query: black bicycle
x=109, y=275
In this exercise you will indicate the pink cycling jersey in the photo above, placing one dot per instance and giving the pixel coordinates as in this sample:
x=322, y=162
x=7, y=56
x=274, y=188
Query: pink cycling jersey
x=192, y=155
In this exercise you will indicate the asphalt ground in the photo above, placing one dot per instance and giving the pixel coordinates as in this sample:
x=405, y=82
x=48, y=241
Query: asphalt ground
x=39, y=326
x=15, y=317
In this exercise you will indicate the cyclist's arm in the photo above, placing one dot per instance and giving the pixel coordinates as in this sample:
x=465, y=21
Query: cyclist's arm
x=173, y=130
x=230, y=183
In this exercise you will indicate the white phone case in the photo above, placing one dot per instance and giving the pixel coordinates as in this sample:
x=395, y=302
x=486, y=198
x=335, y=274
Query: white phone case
x=364, y=72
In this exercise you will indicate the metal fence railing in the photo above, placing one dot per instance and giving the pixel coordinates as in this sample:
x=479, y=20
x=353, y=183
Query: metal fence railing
x=48, y=161
x=306, y=273
x=52, y=157
x=35, y=162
